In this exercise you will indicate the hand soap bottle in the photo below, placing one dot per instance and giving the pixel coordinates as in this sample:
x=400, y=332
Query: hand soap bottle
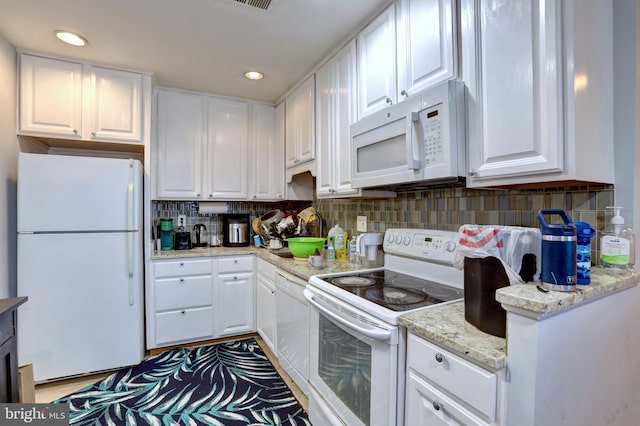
x=617, y=244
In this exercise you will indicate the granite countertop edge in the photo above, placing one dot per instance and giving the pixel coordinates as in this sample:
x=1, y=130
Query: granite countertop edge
x=528, y=297
x=446, y=326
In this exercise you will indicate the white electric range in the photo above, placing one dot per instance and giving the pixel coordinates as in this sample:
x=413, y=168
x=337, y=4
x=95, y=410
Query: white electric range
x=357, y=349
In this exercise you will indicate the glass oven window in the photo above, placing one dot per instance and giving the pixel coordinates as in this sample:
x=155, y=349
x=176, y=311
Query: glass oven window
x=344, y=365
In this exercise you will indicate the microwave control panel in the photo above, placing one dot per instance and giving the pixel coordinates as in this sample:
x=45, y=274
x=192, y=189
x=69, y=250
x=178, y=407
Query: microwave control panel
x=431, y=120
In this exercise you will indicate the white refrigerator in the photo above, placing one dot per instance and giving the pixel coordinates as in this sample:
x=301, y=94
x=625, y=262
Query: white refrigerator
x=80, y=262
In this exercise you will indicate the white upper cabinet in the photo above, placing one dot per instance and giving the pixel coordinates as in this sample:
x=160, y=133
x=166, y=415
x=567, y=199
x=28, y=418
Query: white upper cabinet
x=228, y=150
x=201, y=147
x=539, y=106
x=267, y=152
x=179, y=144
x=426, y=44
x=408, y=48
x=115, y=110
x=300, y=124
x=376, y=63
x=70, y=100
x=50, y=97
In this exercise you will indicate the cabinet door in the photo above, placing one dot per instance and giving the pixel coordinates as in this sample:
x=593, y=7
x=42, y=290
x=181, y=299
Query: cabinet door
x=181, y=132
x=228, y=150
x=515, y=102
x=376, y=64
x=426, y=45
x=425, y=405
x=279, y=159
x=234, y=301
x=267, y=172
x=266, y=311
x=50, y=97
x=300, y=124
x=325, y=134
x=115, y=107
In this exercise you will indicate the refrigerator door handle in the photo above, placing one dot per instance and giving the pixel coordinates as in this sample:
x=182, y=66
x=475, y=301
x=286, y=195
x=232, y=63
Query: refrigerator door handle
x=130, y=219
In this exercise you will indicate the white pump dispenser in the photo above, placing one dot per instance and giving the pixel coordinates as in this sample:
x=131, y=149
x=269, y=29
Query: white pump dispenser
x=617, y=244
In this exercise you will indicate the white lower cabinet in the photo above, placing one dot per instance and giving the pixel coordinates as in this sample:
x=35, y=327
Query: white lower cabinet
x=179, y=301
x=193, y=299
x=234, y=296
x=266, y=303
x=445, y=389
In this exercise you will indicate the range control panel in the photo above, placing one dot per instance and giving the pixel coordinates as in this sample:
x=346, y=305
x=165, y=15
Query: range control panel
x=426, y=244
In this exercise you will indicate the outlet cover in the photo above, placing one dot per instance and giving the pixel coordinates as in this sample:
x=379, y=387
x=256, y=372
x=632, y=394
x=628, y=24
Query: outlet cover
x=182, y=220
x=361, y=224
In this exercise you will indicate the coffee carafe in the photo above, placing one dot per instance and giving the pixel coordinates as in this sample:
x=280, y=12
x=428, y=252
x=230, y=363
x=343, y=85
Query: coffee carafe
x=369, y=249
x=200, y=232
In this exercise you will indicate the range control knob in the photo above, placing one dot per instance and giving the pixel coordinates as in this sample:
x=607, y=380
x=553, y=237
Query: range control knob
x=389, y=238
x=450, y=246
x=406, y=240
x=397, y=239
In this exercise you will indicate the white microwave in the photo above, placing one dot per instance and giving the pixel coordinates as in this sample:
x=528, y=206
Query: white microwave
x=420, y=140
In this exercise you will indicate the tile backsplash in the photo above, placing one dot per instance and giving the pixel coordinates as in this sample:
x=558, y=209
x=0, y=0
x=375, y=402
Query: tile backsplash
x=442, y=208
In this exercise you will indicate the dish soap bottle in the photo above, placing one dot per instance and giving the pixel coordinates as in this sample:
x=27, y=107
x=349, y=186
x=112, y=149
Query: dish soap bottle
x=336, y=236
x=617, y=244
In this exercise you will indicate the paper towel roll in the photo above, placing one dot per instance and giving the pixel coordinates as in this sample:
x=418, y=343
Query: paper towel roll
x=210, y=207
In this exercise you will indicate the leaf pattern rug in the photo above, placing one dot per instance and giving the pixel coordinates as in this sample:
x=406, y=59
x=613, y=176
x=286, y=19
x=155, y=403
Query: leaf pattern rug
x=230, y=383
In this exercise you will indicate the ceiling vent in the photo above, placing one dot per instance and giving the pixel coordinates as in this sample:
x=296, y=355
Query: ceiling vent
x=260, y=4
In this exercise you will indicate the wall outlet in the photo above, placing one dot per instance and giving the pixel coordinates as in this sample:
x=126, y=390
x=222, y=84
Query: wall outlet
x=361, y=224
x=182, y=220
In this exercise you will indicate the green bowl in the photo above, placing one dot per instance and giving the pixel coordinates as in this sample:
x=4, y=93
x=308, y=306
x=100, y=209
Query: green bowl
x=304, y=246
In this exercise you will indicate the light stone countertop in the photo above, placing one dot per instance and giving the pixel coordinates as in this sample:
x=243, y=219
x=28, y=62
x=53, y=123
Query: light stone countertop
x=299, y=268
x=528, y=300
x=445, y=325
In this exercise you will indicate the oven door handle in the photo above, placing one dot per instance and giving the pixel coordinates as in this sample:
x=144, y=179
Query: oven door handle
x=376, y=334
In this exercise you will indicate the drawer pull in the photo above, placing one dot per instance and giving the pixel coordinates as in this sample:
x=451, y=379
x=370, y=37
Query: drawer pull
x=439, y=357
x=235, y=261
x=235, y=278
x=182, y=312
x=181, y=263
x=437, y=406
x=181, y=280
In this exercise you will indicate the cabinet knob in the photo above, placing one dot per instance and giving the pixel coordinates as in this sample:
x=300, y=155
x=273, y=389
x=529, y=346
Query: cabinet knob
x=210, y=195
x=472, y=173
x=273, y=291
x=235, y=261
x=182, y=312
x=437, y=406
x=93, y=134
x=255, y=196
x=235, y=278
x=198, y=194
x=439, y=357
x=75, y=131
x=404, y=93
x=181, y=263
x=181, y=280
x=388, y=100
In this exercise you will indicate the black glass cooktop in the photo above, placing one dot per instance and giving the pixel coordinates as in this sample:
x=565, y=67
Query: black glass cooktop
x=396, y=291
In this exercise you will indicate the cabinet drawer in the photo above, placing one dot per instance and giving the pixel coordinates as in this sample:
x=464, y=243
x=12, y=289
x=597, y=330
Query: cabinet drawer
x=180, y=293
x=235, y=264
x=181, y=268
x=186, y=325
x=472, y=384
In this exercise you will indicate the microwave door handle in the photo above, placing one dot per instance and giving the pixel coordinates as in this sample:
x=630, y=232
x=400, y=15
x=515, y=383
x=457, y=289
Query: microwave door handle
x=412, y=152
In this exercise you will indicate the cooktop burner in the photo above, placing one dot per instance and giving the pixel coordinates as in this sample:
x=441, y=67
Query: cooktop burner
x=396, y=291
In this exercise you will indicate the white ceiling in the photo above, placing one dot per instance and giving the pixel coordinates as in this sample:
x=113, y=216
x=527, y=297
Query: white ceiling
x=203, y=45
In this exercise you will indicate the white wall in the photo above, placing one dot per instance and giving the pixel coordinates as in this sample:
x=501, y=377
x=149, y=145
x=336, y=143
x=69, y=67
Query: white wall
x=626, y=16
x=8, y=169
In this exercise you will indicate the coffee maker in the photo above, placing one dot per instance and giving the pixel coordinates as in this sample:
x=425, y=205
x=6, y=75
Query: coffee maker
x=235, y=230
x=369, y=249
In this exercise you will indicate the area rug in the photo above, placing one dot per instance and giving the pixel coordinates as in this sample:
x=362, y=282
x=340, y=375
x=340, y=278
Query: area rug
x=230, y=383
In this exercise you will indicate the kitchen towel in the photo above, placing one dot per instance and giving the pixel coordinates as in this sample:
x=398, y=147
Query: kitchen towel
x=507, y=243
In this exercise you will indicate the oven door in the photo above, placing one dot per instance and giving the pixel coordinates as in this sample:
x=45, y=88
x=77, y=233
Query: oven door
x=353, y=361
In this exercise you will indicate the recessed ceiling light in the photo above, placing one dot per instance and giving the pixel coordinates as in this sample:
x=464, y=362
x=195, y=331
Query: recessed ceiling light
x=71, y=38
x=253, y=75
